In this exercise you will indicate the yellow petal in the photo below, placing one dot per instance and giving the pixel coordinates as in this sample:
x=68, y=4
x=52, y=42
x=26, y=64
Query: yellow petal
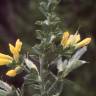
x=11, y=73
x=16, y=56
x=12, y=48
x=18, y=45
x=72, y=40
x=69, y=41
x=5, y=61
x=84, y=42
x=64, y=38
x=77, y=38
x=14, y=52
x=65, y=35
x=3, y=56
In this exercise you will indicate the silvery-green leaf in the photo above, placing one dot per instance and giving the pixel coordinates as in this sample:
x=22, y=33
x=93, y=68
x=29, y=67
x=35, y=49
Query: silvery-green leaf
x=15, y=92
x=55, y=88
x=52, y=38
x=61, y=65
x=3, y=93
x=36, y=49
x=30, y=64
x=43, y=8
x=79, y=53
x=5, y=86
x=73, y=64
x=32, y=85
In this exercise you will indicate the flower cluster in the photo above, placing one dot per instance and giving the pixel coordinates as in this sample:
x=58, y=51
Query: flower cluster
x=69, y=40
x=6, y=59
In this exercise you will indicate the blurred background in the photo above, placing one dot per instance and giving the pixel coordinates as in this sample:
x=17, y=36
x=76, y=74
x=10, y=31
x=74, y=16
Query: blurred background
x=17, y=20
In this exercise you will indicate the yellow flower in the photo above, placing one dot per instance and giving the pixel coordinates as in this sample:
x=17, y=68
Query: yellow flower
x=77, y=38
x=84, y=42
x=5, y=59
x=11, y=73
x=64, y=38
x=72, y=40
x=15, y=50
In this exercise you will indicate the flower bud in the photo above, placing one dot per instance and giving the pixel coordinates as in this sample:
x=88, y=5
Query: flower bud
x=84, y=42
x=11, y=73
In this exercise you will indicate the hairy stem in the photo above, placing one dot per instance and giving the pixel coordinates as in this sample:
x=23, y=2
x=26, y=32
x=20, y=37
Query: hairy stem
x=41, y=74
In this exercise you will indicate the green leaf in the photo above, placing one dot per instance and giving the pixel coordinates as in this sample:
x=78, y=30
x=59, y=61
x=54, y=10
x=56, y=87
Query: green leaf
x=74, y=64
x=36, y=50
x=3, y=93
x=30, y=64
x=55, y=89
x=32, y=84
x=5, y=89
x=61, y=66
x=5, y=86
